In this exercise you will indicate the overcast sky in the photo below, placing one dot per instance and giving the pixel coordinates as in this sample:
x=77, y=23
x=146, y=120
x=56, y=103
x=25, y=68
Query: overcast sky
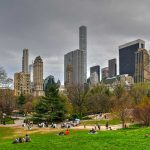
x=49, y=28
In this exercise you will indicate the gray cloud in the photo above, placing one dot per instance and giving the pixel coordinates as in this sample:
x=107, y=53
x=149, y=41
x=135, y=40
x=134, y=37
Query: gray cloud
x=50, y=28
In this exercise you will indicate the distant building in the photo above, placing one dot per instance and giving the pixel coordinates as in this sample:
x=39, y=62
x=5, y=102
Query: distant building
x=127, y=56
x=21, y=83
x=95, y=69
x=94, y=78
x=142, y=66
x=25, y=61
x=105, y=72
x=112, y=66
x=38, y=77
x=74, y=68
x=125, y=80
x=48, y=81
x=83, y=47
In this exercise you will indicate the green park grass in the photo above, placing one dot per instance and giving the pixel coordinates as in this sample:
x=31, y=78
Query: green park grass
x=133, y=139
x=101, y=122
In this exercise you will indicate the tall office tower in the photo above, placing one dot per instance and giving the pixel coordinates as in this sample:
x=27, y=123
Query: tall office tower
x=31, y=72
x=112, y=65
x=73, y=68
x=21, y=83
x=142, y=68
x=95, y=69
x=94, y=78
x=127, y=56
x=38, y=77
x=83, y=47
x=105, y=73
x=25, y=60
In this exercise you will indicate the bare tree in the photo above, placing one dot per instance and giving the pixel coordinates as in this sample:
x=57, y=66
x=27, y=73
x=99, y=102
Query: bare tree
x=5, y=82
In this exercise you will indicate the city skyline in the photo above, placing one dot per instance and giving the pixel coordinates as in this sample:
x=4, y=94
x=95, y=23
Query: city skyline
x=48, y=30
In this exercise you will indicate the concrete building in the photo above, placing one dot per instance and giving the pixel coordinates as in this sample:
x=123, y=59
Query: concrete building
x=127, y=56
x=112, y=66
x=38, y=77
x=74, y=68
x=105, y=72
x=125, y=80
x=25, y=61
x=21, y=83
x=95, y=69
x=94, y=78
x=83, y=47
x=142, y=66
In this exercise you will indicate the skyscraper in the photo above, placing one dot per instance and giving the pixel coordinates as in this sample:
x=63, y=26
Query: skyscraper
x=38, y=77
x=83, y=47
x=142, y=68
x=25, y=60
x=127, y=56
x=112, y=65
x=75, y=62
x=73, y=68
x=95, y=69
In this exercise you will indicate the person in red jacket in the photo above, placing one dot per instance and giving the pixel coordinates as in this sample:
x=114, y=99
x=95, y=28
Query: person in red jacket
x=67, y=132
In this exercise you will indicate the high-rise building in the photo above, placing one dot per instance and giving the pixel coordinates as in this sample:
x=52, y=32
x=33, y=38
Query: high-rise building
x=112, y=66
x=105, y=73
x=83, y=47
x=94, y=78
x=25, y=61
x=48, y=81
x=31, y=72
x=95, y=69
x=73, y=68
x=21, y=83
x=142, y=66
x=38, y=77
x=127, y=56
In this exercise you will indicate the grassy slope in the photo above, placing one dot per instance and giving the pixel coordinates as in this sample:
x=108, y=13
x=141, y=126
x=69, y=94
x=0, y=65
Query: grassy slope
x=101, y=122
x=133, y=139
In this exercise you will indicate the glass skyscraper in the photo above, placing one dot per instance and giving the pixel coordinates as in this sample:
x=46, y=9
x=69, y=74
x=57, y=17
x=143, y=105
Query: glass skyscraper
x=127, y=56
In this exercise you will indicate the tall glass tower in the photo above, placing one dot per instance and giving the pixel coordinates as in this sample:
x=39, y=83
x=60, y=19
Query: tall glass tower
x=83, y=47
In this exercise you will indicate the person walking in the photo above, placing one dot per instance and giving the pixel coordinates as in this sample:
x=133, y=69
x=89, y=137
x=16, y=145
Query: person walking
x=107, y=125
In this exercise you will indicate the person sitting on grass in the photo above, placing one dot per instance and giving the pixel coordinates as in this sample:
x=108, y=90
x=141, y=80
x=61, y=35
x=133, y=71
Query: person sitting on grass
x=67, y=132
x=92, y=131
x=15, y=141
x=61, y=133
x=27, y=138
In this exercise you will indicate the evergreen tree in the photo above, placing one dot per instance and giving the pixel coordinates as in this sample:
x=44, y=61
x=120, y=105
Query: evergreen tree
x=51, y=107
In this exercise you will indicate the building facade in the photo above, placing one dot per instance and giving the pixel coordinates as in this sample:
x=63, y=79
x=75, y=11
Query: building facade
x=95, y=70
x=127, y=56
x=74, y=68
x=142, y=66
x=21, y=84
x=83, y=47
x=38, y=77
x=48, y=81
x=105, y=72
x=112, y=66
x=25, y=61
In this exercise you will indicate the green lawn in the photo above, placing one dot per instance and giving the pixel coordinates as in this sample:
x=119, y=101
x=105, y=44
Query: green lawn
x=101, y=122
x=133, y=139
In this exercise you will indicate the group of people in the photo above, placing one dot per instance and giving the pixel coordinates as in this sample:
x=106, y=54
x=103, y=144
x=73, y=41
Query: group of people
x=22, y=139
x=28, y=124
x=67, y=132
